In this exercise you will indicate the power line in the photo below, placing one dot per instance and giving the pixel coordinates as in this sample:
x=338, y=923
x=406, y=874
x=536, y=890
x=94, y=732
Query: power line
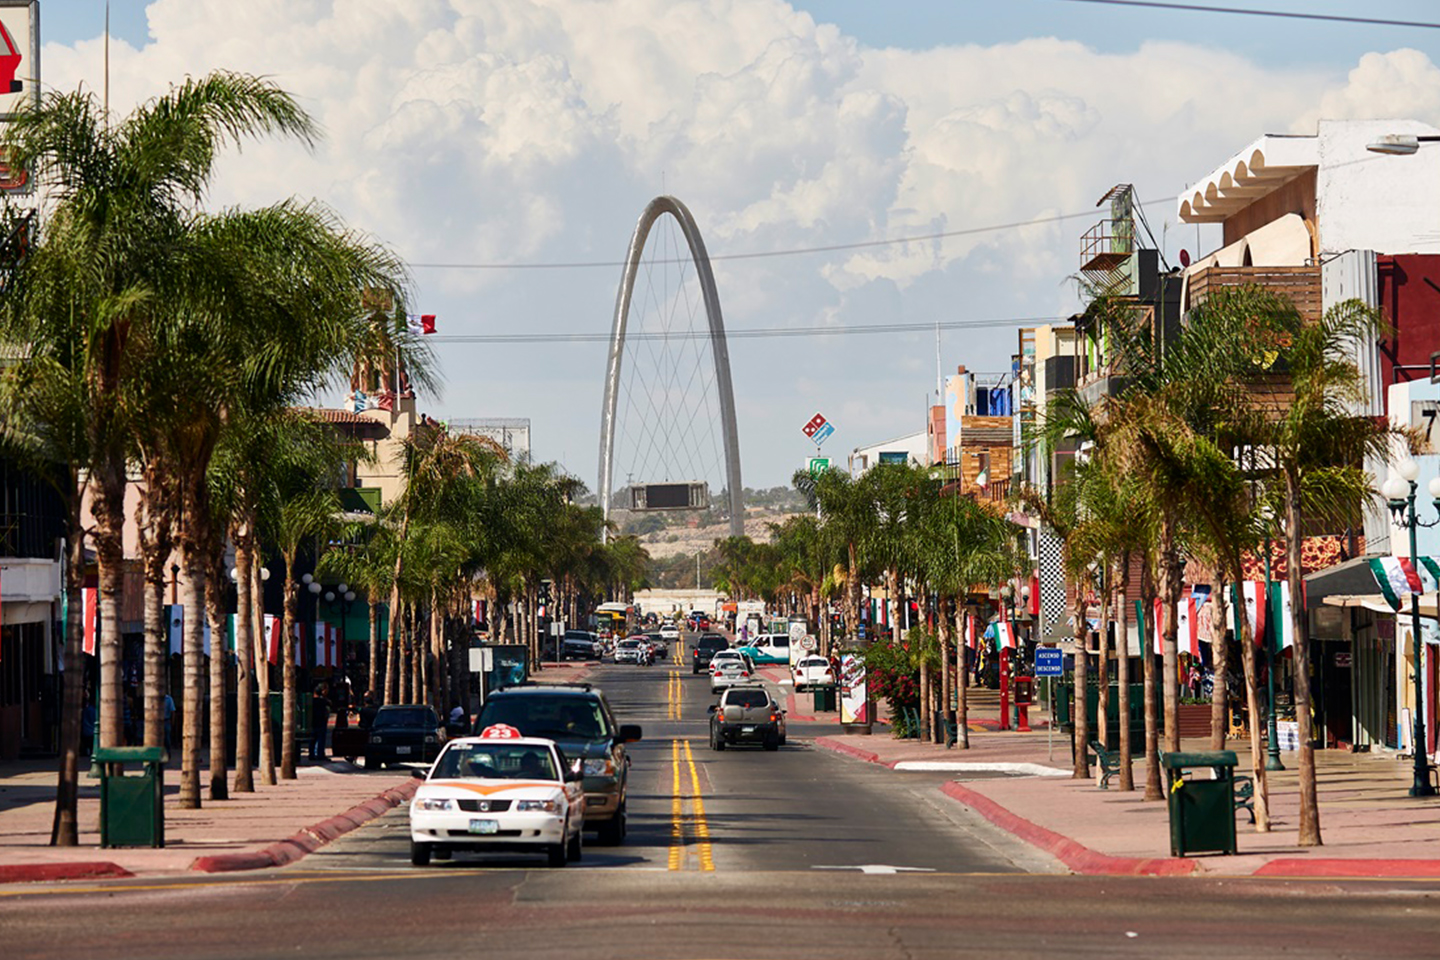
x=764, y=254
x=751, y=333
x=1250, y=12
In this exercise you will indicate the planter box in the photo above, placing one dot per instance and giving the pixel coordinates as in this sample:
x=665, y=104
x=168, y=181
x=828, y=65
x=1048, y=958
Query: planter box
x=1194, y=719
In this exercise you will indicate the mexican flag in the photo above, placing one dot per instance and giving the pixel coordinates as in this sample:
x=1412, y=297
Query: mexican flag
x=1005, y=634
x=970, y=640
x=1396, y=577
x=272, y=639
x=90, y=617
x=1253, y=603
x=1282, y=626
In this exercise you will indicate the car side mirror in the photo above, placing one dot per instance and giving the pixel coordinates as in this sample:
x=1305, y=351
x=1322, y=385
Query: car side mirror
x=574, y=776
x=713, y=707
x=418, y=774
x=630, y=732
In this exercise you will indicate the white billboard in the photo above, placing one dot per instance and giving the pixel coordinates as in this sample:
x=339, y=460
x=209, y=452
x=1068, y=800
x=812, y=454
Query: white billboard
x=19, y=54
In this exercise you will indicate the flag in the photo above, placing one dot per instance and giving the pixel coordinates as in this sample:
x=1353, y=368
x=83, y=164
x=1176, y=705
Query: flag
x=1255, y=612
x=232, y=631
x=1282, y=625
x=272, y=638
x=420, y=323
x=1157, y=632
x=1199, y=597
x=970, y=631
x=1005, y=634
x=1185, y=640
x=90, y=617
x=175, y=617
x=1395, y=577
x=300, y=659
x=479, y=611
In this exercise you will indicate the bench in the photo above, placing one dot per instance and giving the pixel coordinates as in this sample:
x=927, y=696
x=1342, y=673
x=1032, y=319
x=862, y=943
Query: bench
x=1108, y=762
x=1245, y=795
x=952, y=732
x=911, y=716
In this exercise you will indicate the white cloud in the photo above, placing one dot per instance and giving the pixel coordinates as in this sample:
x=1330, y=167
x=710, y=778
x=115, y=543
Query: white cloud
x=535, y=130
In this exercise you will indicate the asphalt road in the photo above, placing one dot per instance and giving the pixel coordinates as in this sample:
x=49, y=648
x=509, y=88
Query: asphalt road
x=800, y=853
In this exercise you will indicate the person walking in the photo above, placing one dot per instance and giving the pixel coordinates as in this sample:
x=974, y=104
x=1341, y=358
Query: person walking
x=319, y=719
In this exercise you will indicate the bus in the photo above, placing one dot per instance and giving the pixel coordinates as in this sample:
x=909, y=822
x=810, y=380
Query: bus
x=612, y=620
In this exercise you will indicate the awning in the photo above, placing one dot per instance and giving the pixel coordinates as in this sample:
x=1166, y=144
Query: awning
x=1375, y=602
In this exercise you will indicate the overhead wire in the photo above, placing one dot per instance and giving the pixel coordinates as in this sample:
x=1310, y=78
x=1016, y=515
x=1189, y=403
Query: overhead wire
x=746, y=333
x=1253, y=12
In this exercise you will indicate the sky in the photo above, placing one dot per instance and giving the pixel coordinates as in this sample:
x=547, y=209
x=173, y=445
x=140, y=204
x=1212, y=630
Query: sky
x=490, y=133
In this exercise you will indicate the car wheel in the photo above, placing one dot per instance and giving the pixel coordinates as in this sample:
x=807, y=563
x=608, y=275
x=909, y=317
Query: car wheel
x=419, y=853
x=719, y=741
x=612, y=831
x=442, y=852
x=576, y=851
x=772, y=742
x=555, y=854
x=782, y=740
x=372, y=764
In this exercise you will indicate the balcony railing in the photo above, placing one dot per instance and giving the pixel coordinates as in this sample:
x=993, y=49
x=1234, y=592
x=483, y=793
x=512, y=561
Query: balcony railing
x=1300, y=284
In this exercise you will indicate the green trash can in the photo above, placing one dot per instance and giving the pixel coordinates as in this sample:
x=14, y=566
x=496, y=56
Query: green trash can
x=1202, y=810
x=825, y=697
x=132, y=810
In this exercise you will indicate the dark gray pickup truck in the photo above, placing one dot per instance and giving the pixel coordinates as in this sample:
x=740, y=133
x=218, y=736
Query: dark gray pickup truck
x=747, y=715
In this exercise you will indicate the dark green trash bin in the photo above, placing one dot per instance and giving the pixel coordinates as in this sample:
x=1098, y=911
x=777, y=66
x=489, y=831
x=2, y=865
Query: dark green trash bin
x=825, y=697
x=132, y=810
x=1202, y=809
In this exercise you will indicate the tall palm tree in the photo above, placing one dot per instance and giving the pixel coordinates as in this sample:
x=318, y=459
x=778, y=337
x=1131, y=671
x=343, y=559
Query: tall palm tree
x=845, y=507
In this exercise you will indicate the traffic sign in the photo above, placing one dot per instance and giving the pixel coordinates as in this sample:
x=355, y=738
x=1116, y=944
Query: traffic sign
x=1049, y=662
x=807, y=643
x=818, y=465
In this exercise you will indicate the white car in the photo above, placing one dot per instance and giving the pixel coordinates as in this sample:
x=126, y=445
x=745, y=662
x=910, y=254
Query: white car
x=629, y=650
x=729, y=668
x=498, y=792
x=670, y=632
x=811, y=669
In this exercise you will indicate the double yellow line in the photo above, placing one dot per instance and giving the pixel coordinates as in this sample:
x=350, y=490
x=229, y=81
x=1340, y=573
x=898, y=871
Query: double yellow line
x=672, y=695
x=683, y=829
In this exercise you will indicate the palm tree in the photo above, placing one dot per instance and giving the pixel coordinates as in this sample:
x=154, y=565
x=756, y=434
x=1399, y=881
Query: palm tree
x=844, y=506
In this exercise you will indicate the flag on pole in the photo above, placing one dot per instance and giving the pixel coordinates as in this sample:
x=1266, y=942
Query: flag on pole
x=1185, y=640
x=1254, y=594
x=272, y=639
x=1199, y=596
x=1005, y=634
x=970, y=640
x=1282, y=626
x=300, y=659
x=420, y=323
x=175, y=617
x=90, y=617
x=1157, y=632
x=1396, y=577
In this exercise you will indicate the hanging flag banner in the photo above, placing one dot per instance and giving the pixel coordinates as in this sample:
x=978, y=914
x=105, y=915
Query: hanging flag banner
x=1255, y=612
x=970, y=640
x=1282, y=625
x=232, y=631
x=300, y=658
x=272, y=639
x=90, y=618
x=1005, y=634
x=1185, y=641
x=420, y=323
x=1395, y=577
x=175, y=618
x=1198, y=608
x=479, y=611
x=1157, y=624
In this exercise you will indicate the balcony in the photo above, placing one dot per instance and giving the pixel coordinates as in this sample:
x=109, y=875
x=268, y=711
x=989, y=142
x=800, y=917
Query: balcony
x=1300, y=284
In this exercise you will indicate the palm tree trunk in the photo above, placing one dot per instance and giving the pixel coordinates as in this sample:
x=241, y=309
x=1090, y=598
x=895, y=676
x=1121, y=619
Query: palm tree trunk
x=157, y=647
x=373, y=681
x=1168, y=626
x=64, y=830
x=1122, y=677
x=392, y=650
x=1081, y=714
x=219, y=657
x=947, y=648
x=1309, y=826
x=108, y=508
x=852, y=586
x=1252, y=699
x=261, y=659
x=1220, y=665
x=289, y=694
x=244, y=664
x=194, y=666
x=1102, y=673
x=1152, y=727
x=962, y=713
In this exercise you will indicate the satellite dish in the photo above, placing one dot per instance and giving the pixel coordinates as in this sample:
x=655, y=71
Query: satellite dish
x=1184, y=258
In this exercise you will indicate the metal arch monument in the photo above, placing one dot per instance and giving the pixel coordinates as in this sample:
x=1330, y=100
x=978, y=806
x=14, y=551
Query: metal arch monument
x=657, y=208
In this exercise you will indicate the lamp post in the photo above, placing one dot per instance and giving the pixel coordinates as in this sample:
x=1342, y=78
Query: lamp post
x=1399, y=492
x=1398, y=144
x=1007, y=607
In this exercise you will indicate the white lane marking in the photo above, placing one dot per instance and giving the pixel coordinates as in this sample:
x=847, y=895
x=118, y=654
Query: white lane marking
x=877, y=868
x=1020, y=769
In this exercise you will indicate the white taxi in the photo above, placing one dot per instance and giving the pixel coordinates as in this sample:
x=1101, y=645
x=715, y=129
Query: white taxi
x=499, y=791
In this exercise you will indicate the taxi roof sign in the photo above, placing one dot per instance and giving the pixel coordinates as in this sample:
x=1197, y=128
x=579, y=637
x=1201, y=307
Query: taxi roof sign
x=500, y=731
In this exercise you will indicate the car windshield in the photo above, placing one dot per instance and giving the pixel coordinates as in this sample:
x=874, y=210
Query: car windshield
x=747, y=698
x=404, y=717
x=492, y=761
x=542, y=715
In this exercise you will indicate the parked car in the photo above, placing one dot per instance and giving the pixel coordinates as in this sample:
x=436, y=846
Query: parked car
x=705, y=649
x=747, y=714
x=810, y=670
x=404, y=733
x=578, y=718
x=499, y=792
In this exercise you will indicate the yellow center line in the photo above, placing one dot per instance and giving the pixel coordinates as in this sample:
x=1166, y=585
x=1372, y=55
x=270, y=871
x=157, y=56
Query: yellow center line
x=702, y=828
x=677, y=811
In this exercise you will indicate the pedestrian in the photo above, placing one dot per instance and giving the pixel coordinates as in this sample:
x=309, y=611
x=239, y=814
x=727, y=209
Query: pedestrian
x=340, y=700
x=1194, y=680
x=167, y=708
x=368, y=709
x=88, y=718
x=319, y=718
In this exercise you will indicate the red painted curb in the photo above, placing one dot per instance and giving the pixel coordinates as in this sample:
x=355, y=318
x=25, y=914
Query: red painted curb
x=310, y=839
x=831, y=744
x=1079, y=858
x=1350, y=868
x=46, y=872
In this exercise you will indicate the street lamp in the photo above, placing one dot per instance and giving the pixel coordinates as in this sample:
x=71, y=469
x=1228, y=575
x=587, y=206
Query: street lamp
x=1399, y=492
x=1007, y=604
x=1398, y=144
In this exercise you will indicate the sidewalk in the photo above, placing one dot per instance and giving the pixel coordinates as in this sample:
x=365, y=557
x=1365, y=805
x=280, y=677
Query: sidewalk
x=1370, y=827
x=271, y=827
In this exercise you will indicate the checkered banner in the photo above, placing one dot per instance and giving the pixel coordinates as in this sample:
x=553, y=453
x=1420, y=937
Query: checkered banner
x=1052, y=586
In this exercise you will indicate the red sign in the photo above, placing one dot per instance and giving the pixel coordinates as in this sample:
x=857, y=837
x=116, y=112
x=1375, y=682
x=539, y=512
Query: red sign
x=500, y=731
x=9, y=62
x=816, y=422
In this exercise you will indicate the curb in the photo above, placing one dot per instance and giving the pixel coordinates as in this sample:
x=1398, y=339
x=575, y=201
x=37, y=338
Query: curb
x=1421, y=869
x=1080, y=859
x=310, y=839
x=829, y=743
x=46, y=872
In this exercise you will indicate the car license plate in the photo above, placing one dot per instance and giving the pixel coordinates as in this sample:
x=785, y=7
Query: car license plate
x=484, y=827
x=747, y=729
x=399, y=750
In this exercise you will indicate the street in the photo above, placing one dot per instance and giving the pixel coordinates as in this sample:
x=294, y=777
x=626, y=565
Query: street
x=800, y=853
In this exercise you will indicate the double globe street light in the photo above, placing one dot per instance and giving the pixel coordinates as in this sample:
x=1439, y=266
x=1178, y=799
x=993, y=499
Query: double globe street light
x=1399, y=493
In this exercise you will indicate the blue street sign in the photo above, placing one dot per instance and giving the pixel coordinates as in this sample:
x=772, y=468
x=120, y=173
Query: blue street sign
x=1049, y=662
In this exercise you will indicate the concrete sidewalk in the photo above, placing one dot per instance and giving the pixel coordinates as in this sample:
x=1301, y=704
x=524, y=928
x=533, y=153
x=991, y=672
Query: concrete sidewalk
x=1371, y=828
x=271, y=827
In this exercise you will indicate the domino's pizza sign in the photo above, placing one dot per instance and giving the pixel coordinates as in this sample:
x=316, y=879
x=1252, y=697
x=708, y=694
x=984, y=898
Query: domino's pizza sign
x=19, y=55
x=818, y=429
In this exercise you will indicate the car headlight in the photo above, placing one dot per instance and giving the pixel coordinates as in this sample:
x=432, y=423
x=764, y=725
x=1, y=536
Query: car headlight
x=427, y=803
x=376, y=740
x=602, y=767
x=431, y=738
x=536, y=806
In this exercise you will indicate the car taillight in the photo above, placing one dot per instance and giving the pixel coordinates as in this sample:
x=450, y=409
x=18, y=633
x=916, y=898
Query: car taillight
x=775, y=717
x=744, y=673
